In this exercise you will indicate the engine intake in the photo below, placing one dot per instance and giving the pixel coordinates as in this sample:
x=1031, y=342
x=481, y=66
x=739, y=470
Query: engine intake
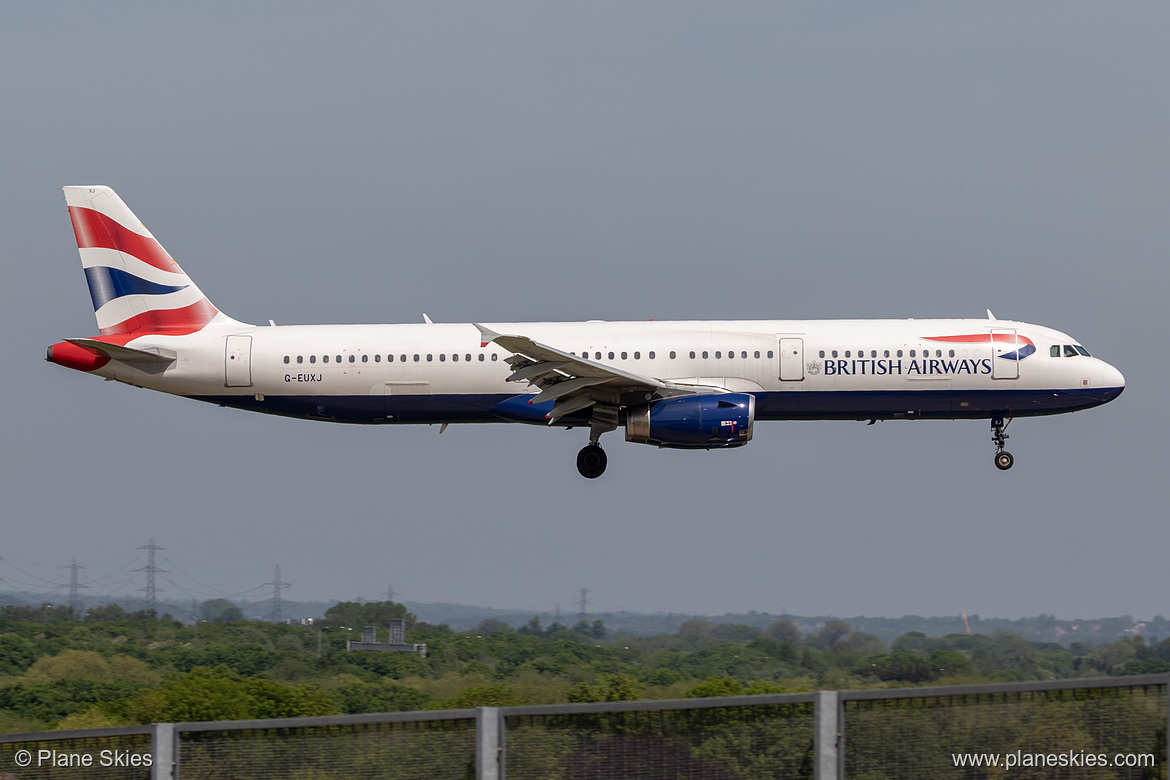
x=693, y=422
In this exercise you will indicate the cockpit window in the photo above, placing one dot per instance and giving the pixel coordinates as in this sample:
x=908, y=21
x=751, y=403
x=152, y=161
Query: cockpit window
x=1082, y=350
x=1069, y=351
x=1054, y=350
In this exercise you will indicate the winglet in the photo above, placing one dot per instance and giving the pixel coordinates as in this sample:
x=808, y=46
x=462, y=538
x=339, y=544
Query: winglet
x=486, y=335
x=990, y=316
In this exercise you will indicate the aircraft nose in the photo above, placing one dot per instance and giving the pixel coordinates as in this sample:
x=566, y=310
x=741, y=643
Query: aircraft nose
x=1112, y=378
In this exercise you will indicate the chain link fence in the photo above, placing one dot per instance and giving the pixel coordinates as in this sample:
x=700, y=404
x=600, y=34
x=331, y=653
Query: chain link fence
x=1104, y=729
x=721, y=739
x=100, y=754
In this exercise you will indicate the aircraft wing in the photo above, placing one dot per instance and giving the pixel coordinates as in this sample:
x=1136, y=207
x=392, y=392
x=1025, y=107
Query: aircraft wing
x=572, y=381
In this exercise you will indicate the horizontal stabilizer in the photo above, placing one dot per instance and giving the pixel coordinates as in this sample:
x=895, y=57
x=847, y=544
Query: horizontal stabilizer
x=126, y=354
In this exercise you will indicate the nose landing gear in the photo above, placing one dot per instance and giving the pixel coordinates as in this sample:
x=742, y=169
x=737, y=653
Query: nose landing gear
x=1003, y=458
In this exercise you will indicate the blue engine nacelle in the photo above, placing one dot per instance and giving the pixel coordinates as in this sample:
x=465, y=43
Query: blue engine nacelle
x=693, y=422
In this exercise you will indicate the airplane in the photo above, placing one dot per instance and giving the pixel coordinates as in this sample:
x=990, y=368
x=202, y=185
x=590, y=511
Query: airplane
x=679, y=385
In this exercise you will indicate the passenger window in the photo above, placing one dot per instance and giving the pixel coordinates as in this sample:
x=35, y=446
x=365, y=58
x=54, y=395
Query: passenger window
x=952, y=353
x=416, y=357
x=743, y=355
x=718, y=354
x=378, y=358
x=352, y=359
x=442, y=358
x=847, y=353
x=625, y=355
x=637, y=356
x=672, y=354
x=325, y=359
x=455, y=358
x=365, y=358
x=769, y=353
x=704, y=354
x=873, y=353
x=300, y=359
x=1069, y=351
x=480, y=357
x=692, y=354
x=494, y=357
x=834, y=353
x=430, y=358
x=886, y=353
x=402, y=358
x=339, y=358
x=758, y=354
x=938, y=353
x=912, y=353
x=286, y=360
x=467, y=357
x=597, y=356
x=899, y=353
x=312, y=358
x=822, y=353
x=610, y=356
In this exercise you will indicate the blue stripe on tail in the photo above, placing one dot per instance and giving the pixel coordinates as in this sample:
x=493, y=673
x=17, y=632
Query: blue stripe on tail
x=106, y=284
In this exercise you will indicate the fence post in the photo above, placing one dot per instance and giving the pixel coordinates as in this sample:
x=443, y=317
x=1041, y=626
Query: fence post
x=162, y=752
x=487, y=743
x=826, y=729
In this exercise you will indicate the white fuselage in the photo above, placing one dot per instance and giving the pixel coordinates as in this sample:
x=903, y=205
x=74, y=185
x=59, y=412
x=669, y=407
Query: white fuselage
x=796, y=369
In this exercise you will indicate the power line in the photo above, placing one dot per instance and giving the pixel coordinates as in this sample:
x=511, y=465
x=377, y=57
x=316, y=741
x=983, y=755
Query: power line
x=276, y=615
x=151, y=590
x=74, y=587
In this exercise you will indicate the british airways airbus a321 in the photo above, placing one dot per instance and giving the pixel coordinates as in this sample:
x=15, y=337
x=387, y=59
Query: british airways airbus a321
x=683, y=385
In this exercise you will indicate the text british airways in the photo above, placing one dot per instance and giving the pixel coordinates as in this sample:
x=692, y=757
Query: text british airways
x=930, y=367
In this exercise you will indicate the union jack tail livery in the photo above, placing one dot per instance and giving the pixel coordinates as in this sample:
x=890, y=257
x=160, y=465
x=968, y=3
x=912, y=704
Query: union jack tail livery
x=136, y=287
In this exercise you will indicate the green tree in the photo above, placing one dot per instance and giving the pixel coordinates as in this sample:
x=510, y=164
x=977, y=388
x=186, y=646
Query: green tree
x=220, y=611
x=783, y=631
x=350, y=614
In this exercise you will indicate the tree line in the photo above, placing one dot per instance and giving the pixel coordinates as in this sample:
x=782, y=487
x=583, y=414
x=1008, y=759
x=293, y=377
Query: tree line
x=117, y=668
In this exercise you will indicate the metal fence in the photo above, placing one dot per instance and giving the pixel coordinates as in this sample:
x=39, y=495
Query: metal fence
x=1100, y=728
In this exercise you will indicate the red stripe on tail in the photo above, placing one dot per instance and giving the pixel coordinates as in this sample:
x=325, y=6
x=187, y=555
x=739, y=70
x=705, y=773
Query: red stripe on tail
x=95, y=230
x=168, y=322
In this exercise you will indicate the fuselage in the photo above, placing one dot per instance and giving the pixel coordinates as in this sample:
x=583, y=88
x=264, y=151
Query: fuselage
x=796, y=369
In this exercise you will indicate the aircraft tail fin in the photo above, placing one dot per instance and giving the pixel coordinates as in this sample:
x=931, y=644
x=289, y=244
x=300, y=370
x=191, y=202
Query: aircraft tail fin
x=136, y=287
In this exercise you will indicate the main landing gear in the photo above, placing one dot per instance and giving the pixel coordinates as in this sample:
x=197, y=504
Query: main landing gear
x=1003, y=458
x=591, y=461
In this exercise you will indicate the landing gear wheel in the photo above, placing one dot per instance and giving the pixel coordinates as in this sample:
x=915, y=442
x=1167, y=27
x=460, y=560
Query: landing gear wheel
x=591, y=461
x=1004, y=460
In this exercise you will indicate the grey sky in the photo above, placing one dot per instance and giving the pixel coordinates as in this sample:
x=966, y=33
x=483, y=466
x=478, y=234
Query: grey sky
x=528, y=161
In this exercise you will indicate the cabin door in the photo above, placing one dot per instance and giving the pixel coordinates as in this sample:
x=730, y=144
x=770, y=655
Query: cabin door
x=238, y=362
x=1004, y=342
x=791, y=360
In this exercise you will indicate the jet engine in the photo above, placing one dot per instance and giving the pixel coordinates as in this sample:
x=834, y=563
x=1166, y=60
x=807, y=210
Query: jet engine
x=693, y=422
